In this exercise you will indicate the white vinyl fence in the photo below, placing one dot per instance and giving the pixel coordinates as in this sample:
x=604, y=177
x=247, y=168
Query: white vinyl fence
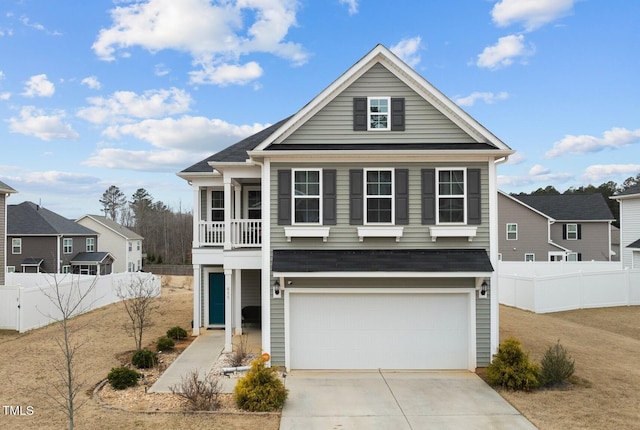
x=26, y=299
x=554, y=287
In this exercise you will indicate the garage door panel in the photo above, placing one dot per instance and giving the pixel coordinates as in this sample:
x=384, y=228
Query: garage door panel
x=371, y=331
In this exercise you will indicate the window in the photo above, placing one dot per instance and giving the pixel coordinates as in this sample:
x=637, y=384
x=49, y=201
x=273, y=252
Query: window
x=529, y=257
x=512, y=231
x=129, y=245
x=573, y=256
x=91, y=244
x=379, y=196
x=11, y=269
x=451, y=196
x=66, y=269
x=572, y=232
x=217, y=205
x=138, y=245
x=306, y=196
x=254, y=204
x=67, y=246
x=16, y=246
x=378, y=113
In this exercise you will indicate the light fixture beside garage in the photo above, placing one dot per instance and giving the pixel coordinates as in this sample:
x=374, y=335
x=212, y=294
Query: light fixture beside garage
x=276, y=288
x=483, y=289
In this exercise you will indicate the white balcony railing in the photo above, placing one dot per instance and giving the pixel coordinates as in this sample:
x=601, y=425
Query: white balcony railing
x=244, y=233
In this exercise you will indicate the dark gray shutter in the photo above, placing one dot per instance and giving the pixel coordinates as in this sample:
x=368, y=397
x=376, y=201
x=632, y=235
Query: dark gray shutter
x=579, y=256
x=428, y=196
x=359, y=114
x=402, y=196
x=473, y=197
x=564, y=231
x=284, y=197
x=329, y=197
x=397, y=114
x=579, y=231
x=356, y=197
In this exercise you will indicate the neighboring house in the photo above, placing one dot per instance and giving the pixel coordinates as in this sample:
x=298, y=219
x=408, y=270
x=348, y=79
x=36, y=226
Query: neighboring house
x=565, y=227
x=125, y=245
x=41, y=241
x=362, y=229
x=5, y=192
x=629, y=201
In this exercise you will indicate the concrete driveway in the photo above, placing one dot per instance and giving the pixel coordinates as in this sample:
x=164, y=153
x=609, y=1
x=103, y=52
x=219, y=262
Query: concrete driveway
x=395, y=401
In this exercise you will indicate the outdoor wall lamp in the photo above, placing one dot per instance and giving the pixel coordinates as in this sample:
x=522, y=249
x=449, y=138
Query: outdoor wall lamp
x=483, y=288
x=276, y=287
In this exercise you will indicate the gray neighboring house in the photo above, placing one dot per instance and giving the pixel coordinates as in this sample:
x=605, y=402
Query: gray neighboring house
x=124, y=244
x=565, y=227
x=360, y=232
x=41, y=241
x=629, y=201
x=5, y=192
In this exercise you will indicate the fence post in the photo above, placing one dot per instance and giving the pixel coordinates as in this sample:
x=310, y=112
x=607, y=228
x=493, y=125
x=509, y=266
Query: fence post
x=19, y=321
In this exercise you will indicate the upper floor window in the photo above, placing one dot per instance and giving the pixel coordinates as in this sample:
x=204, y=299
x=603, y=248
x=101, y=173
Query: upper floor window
x=254, y=204
x=91, y=244
x=378, y=113
x=67, y=245
x=138, y=245
x=571, y=232
x=379, y=196
x=512, y=231
x=16, y=246
x=217, y=205
x=307, y=192
x=451, y=196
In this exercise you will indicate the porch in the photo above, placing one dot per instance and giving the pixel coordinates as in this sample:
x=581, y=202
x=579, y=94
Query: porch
x=237, y=233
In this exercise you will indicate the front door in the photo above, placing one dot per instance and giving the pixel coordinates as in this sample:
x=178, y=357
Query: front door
x=216, y=298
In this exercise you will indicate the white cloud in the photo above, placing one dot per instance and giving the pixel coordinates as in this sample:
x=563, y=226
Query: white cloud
x=226, y=74
x=34, y=122
x=503, y=53
x=161, y=70
x=583, y=144
x=352, y=4
x=487, y=97
x=532, y=13
x=148, y=161
x=600, y=172
x=124, y=105
x=538, y=170
x=5, y=96
x=2, y=75
x=408, y=50
x=517, y=158
x=213, y=34
x=528, y=180
x=39, y=86
x=92, y=82
x=187, y=133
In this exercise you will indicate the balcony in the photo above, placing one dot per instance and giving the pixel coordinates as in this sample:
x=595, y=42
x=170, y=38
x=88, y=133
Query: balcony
x=243, y=233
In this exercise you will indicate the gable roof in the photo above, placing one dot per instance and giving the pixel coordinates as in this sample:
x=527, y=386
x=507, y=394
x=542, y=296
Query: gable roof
x=91, y=257
x=4, y=188
x=628, y=193
x=570, y=207
x=114, y=226
x=635, y=245
x=27, y=218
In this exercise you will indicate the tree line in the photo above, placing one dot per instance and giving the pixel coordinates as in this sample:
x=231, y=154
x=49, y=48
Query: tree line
x=167, y=233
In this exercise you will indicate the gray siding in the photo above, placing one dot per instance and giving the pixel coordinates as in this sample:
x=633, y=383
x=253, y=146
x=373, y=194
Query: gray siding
x=423, y=122
x=483, y=330
x=593, y=243
x=38, y=247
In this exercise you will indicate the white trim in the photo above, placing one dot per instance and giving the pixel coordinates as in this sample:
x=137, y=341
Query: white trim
x=311, y=231
x=245, y=200
x=370, y=231
x=452, y=196
x=507, y=230
x=369, y=113
x=456, y=274
x=265, y=276
x=294, y=197
x=452, y=231
x=366, y=195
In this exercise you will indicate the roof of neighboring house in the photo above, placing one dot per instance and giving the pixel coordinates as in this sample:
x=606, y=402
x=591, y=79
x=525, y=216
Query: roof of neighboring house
x=27, y=218
x=629, y=191
x=375, y=260
x=114, y=226
x=570, y=207
x=635, y=244
x=91, y=257
x=32, y=261
x=4, y=188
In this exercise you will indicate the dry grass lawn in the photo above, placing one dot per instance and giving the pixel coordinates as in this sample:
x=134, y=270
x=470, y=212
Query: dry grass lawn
x=605, y=344
x=27, y=371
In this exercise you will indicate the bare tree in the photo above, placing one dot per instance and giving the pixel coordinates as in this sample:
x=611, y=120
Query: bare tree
x=138, y=297
x=69, y=300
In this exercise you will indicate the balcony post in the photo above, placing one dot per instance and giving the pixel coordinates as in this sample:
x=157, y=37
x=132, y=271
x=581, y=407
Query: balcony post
x=227, y=213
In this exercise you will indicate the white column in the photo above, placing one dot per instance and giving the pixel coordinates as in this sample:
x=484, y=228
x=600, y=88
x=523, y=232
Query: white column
x=227, y=212
x=197, y=299
x=265, y=278
x=237, y=301
x=228, y=284
x=196, y=217
x=493, y=255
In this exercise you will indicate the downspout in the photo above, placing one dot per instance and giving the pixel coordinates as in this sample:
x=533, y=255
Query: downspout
x=58, y=260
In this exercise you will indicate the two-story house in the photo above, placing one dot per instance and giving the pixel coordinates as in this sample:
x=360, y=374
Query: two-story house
x=5, y=192
x=41, y=241
x=629, y=201
x=564, y=227
x=124, y=244
x=363, y=227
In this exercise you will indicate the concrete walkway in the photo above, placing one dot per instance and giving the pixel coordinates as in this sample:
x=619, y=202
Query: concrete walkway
x=201, y=355
x=396, y=401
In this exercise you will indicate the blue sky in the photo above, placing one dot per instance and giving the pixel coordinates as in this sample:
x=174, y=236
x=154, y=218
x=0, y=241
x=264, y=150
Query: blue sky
x=127, y=93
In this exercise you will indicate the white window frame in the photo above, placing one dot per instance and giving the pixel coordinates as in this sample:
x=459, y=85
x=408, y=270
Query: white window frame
x=210, y=205
x=572, y=256
x=245, y=201
x=66, y=269
x=90, y=244
x=129, y=246
x=392, y=197
x=11, y=269
x=16, y=244
x=529, y=256
x=572, y=233
x=370, y=113
x=441, y=196
x=555, y=254
x=294, y=197
x=509, y=224
x=67, y=245
x=138, y=245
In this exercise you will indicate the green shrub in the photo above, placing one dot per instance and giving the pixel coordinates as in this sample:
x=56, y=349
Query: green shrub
x=165, y=344
x=511, y=367
x=144, y=359
x=260, y=390
x=556, y=366
x=176, y=333
x=123, y=377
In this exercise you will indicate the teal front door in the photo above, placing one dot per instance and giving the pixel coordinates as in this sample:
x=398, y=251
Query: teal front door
x=216, y=298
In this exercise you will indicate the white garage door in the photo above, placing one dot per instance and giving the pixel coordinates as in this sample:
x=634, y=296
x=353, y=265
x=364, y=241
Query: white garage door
x=379, y=331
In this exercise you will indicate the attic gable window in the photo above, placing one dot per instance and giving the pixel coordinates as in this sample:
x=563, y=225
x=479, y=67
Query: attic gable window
x=378, y=114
